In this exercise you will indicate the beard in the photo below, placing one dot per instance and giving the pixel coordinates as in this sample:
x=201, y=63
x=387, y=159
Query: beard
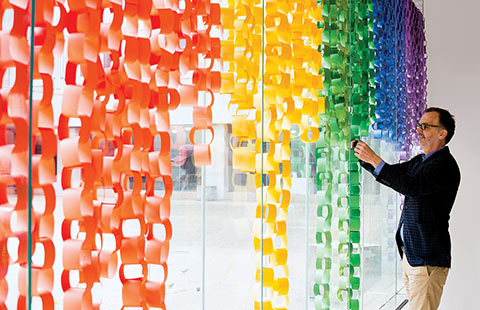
x=421, y=140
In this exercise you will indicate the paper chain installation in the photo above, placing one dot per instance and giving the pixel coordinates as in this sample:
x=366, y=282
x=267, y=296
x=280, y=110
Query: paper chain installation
x=122, y=77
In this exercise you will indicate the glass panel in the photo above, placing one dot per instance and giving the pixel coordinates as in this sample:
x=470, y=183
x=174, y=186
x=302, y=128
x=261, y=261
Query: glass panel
x=230, y=218
x=16, y=178
x=312, y=225
x=291, y=83
x=141, y=198
x=301, y=224
x=380, y=205
x=184, y=284
x=393, y=136
x=234, y=262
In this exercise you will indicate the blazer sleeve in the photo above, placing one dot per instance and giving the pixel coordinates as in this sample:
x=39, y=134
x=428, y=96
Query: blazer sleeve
x=437, y=176
x=370, y=168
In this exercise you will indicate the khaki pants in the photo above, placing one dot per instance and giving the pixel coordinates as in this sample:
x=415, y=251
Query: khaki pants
x=424, y=285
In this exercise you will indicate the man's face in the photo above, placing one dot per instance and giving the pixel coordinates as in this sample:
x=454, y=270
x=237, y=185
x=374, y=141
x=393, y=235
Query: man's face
x=431, y=138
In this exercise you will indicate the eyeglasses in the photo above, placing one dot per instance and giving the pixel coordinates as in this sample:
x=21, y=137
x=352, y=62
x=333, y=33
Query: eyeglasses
x=424, y=126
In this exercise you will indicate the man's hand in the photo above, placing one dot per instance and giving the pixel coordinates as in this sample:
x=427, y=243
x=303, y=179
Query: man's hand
x=365, y=153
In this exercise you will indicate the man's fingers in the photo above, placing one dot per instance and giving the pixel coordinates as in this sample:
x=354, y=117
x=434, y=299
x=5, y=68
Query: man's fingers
x=359, y=147
x=362, y=150
x=362, y=147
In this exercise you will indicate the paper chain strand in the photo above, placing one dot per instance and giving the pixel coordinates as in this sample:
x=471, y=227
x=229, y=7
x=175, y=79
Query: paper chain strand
x=15, y=57
x=400, y=72
x=348, y=79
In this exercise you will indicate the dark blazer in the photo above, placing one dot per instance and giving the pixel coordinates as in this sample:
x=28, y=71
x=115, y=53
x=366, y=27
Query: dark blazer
x=430, y=187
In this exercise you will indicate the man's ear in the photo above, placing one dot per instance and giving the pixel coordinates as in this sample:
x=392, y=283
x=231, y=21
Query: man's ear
x=443, y=134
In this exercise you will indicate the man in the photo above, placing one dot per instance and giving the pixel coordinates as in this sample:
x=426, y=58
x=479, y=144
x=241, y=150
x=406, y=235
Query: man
x=430, y=183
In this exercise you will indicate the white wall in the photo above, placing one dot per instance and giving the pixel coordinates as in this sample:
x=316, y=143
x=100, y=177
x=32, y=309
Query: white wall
x=453, y=49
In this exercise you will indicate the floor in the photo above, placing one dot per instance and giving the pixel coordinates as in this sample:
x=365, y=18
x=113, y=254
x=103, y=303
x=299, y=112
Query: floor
x=396, y=301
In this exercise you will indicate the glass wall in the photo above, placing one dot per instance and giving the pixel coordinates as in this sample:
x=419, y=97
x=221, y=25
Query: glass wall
x=174, y=154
